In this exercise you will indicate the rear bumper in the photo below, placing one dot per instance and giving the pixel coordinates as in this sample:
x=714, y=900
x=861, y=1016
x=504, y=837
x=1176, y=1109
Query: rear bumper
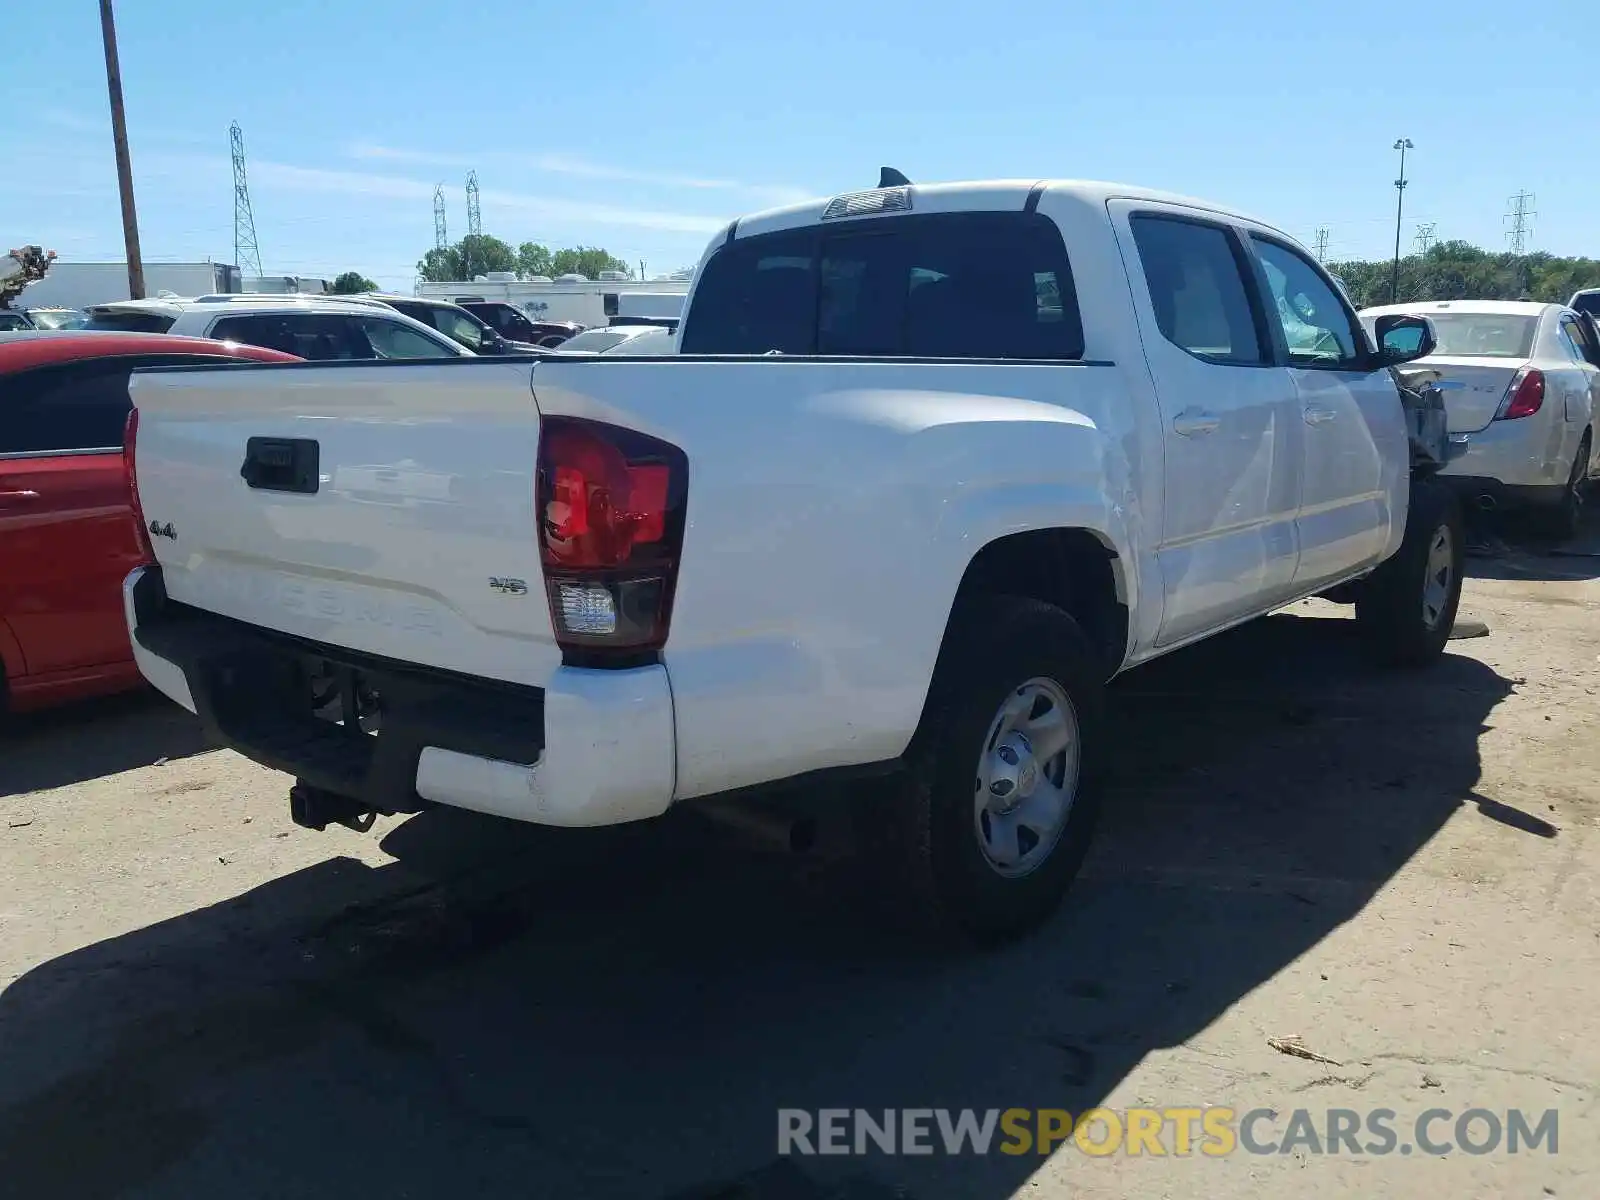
x=592, y=748
x=1521, y=454
x=1482, y=492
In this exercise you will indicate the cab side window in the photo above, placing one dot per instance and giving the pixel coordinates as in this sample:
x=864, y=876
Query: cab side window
x=1318, y=329
x=1197, y=282
x=77, y=406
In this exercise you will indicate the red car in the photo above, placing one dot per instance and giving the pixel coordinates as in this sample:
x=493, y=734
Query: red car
x=67, y=538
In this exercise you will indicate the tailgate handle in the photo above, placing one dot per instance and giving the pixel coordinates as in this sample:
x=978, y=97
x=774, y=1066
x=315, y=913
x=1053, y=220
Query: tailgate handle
x=281, y=464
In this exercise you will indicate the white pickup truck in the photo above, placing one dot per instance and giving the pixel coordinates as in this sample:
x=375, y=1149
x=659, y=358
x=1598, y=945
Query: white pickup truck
x=932, y=465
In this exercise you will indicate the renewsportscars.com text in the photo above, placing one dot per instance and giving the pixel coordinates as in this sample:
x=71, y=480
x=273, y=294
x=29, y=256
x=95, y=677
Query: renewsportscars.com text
x=1213, y=1131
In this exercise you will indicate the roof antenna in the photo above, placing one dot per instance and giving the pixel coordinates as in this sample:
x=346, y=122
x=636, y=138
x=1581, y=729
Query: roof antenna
x=888, y=177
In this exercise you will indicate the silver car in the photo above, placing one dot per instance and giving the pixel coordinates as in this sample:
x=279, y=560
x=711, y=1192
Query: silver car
x=1521, y=386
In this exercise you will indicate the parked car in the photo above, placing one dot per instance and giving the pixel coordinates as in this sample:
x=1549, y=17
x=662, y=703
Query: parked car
x=318, y=328
x=621, y=339
x=67, y=536
x=1521, y=385
x=456, y=323
x=12, y=319
x=515, y=325
x=895, y=520
x=58, y=318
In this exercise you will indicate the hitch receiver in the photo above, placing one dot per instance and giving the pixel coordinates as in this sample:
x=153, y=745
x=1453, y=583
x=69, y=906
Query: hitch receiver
x=314, y=808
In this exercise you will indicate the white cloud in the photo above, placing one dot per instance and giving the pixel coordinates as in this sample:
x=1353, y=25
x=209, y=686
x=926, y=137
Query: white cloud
x=269, y=175
x=563, y=164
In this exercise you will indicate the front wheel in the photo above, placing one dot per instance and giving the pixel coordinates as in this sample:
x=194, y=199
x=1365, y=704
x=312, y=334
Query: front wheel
x=1001, y=800
x=1408, y=605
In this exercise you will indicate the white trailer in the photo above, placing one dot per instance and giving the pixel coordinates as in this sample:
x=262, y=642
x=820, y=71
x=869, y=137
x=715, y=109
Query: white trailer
x=589, y=302
x=81, y=284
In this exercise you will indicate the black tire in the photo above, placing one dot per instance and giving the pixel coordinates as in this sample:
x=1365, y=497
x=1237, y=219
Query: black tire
x=1561, y=521
x=994, y=646
x=1391, y=609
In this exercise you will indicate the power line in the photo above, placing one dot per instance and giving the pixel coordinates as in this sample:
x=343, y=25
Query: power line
x=1519, y=219
x=474, y=217
x=246, y=253
x=441, y=239
x=1425, y=236
x=1322, y=243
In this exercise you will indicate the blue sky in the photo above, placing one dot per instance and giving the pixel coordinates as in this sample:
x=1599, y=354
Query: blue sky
x=643, y=126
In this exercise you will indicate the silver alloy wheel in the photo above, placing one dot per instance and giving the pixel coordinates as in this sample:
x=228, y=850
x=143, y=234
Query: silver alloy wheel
x=1440, y=575
x=1027, y=778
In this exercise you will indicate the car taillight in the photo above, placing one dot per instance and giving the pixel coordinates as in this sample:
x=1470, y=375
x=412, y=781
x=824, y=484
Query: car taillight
x=610, y=505
x=1527, y=394
x=130, y=438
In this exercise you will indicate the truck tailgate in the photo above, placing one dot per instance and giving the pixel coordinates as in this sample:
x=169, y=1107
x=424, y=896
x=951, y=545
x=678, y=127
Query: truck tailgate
x=390, y=508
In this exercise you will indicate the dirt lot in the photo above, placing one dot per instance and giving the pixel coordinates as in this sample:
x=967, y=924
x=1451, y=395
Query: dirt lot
x=202, y=1000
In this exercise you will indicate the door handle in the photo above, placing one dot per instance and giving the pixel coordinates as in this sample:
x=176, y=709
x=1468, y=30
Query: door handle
x=1195, y=422
x=1317, y=414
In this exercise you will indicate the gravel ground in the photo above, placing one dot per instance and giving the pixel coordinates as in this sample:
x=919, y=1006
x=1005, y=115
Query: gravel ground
x=201, y=999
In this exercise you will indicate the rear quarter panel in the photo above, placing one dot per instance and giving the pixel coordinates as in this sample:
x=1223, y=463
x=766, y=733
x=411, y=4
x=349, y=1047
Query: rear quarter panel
x=833, y=509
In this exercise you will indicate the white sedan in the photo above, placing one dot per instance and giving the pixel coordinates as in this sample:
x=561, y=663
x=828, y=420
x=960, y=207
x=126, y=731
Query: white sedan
x=1521, y=386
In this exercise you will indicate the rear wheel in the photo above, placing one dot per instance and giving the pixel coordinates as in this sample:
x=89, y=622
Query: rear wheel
x=994, y=821
x=1407, y=607
x=1562, y=521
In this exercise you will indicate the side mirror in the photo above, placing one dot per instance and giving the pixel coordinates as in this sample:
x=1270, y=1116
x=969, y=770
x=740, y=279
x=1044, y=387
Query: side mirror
x=1404, y=338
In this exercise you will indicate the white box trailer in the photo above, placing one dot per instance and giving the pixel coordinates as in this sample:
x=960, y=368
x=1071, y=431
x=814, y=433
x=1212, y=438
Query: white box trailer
x=586, y=301
x=81, y=284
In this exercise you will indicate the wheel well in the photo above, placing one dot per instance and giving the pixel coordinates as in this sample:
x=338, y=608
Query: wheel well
x=1069, y=568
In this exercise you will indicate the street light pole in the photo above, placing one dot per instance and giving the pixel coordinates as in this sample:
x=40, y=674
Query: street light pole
x=119, y=137
x=1402, y=145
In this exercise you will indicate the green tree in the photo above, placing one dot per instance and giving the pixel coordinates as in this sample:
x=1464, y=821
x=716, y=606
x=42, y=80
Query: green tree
x=534, y=259
x=1458, y=270
x=588, y=261
x=352, y=283
x=475, y=254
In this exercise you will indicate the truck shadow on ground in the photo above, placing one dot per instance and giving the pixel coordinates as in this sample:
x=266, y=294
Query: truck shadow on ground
x=62, y=746
x=508, y=1011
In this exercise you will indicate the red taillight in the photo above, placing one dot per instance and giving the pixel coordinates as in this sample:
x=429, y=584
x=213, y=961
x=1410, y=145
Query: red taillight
x=610, y=507
x=130, y=438
x=1527, y=395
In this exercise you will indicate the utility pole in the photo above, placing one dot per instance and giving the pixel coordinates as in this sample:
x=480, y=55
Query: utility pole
x=1425, y=236
x=1402, y=145
x=1322, y=243
x=1519, y=219
x=119, y=138
x=246, y=253
x=474, y=217
x=1518, y=216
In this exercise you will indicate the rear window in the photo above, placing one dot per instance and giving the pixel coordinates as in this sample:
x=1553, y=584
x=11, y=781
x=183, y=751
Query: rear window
x=129, y=321
x=948, y=285
x=1587, y=302
x=1481, y=335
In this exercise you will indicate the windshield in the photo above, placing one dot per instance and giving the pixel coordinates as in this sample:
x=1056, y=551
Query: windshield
x=58, y=318
x=128, y=321
x=1479, y=335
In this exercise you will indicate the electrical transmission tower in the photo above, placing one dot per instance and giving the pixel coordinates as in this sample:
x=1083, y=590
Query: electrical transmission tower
x=1322, y=243
x=1425, y=236
x=441, y=239
x=246, y=254
x=474, y=217
x=1519, y=221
